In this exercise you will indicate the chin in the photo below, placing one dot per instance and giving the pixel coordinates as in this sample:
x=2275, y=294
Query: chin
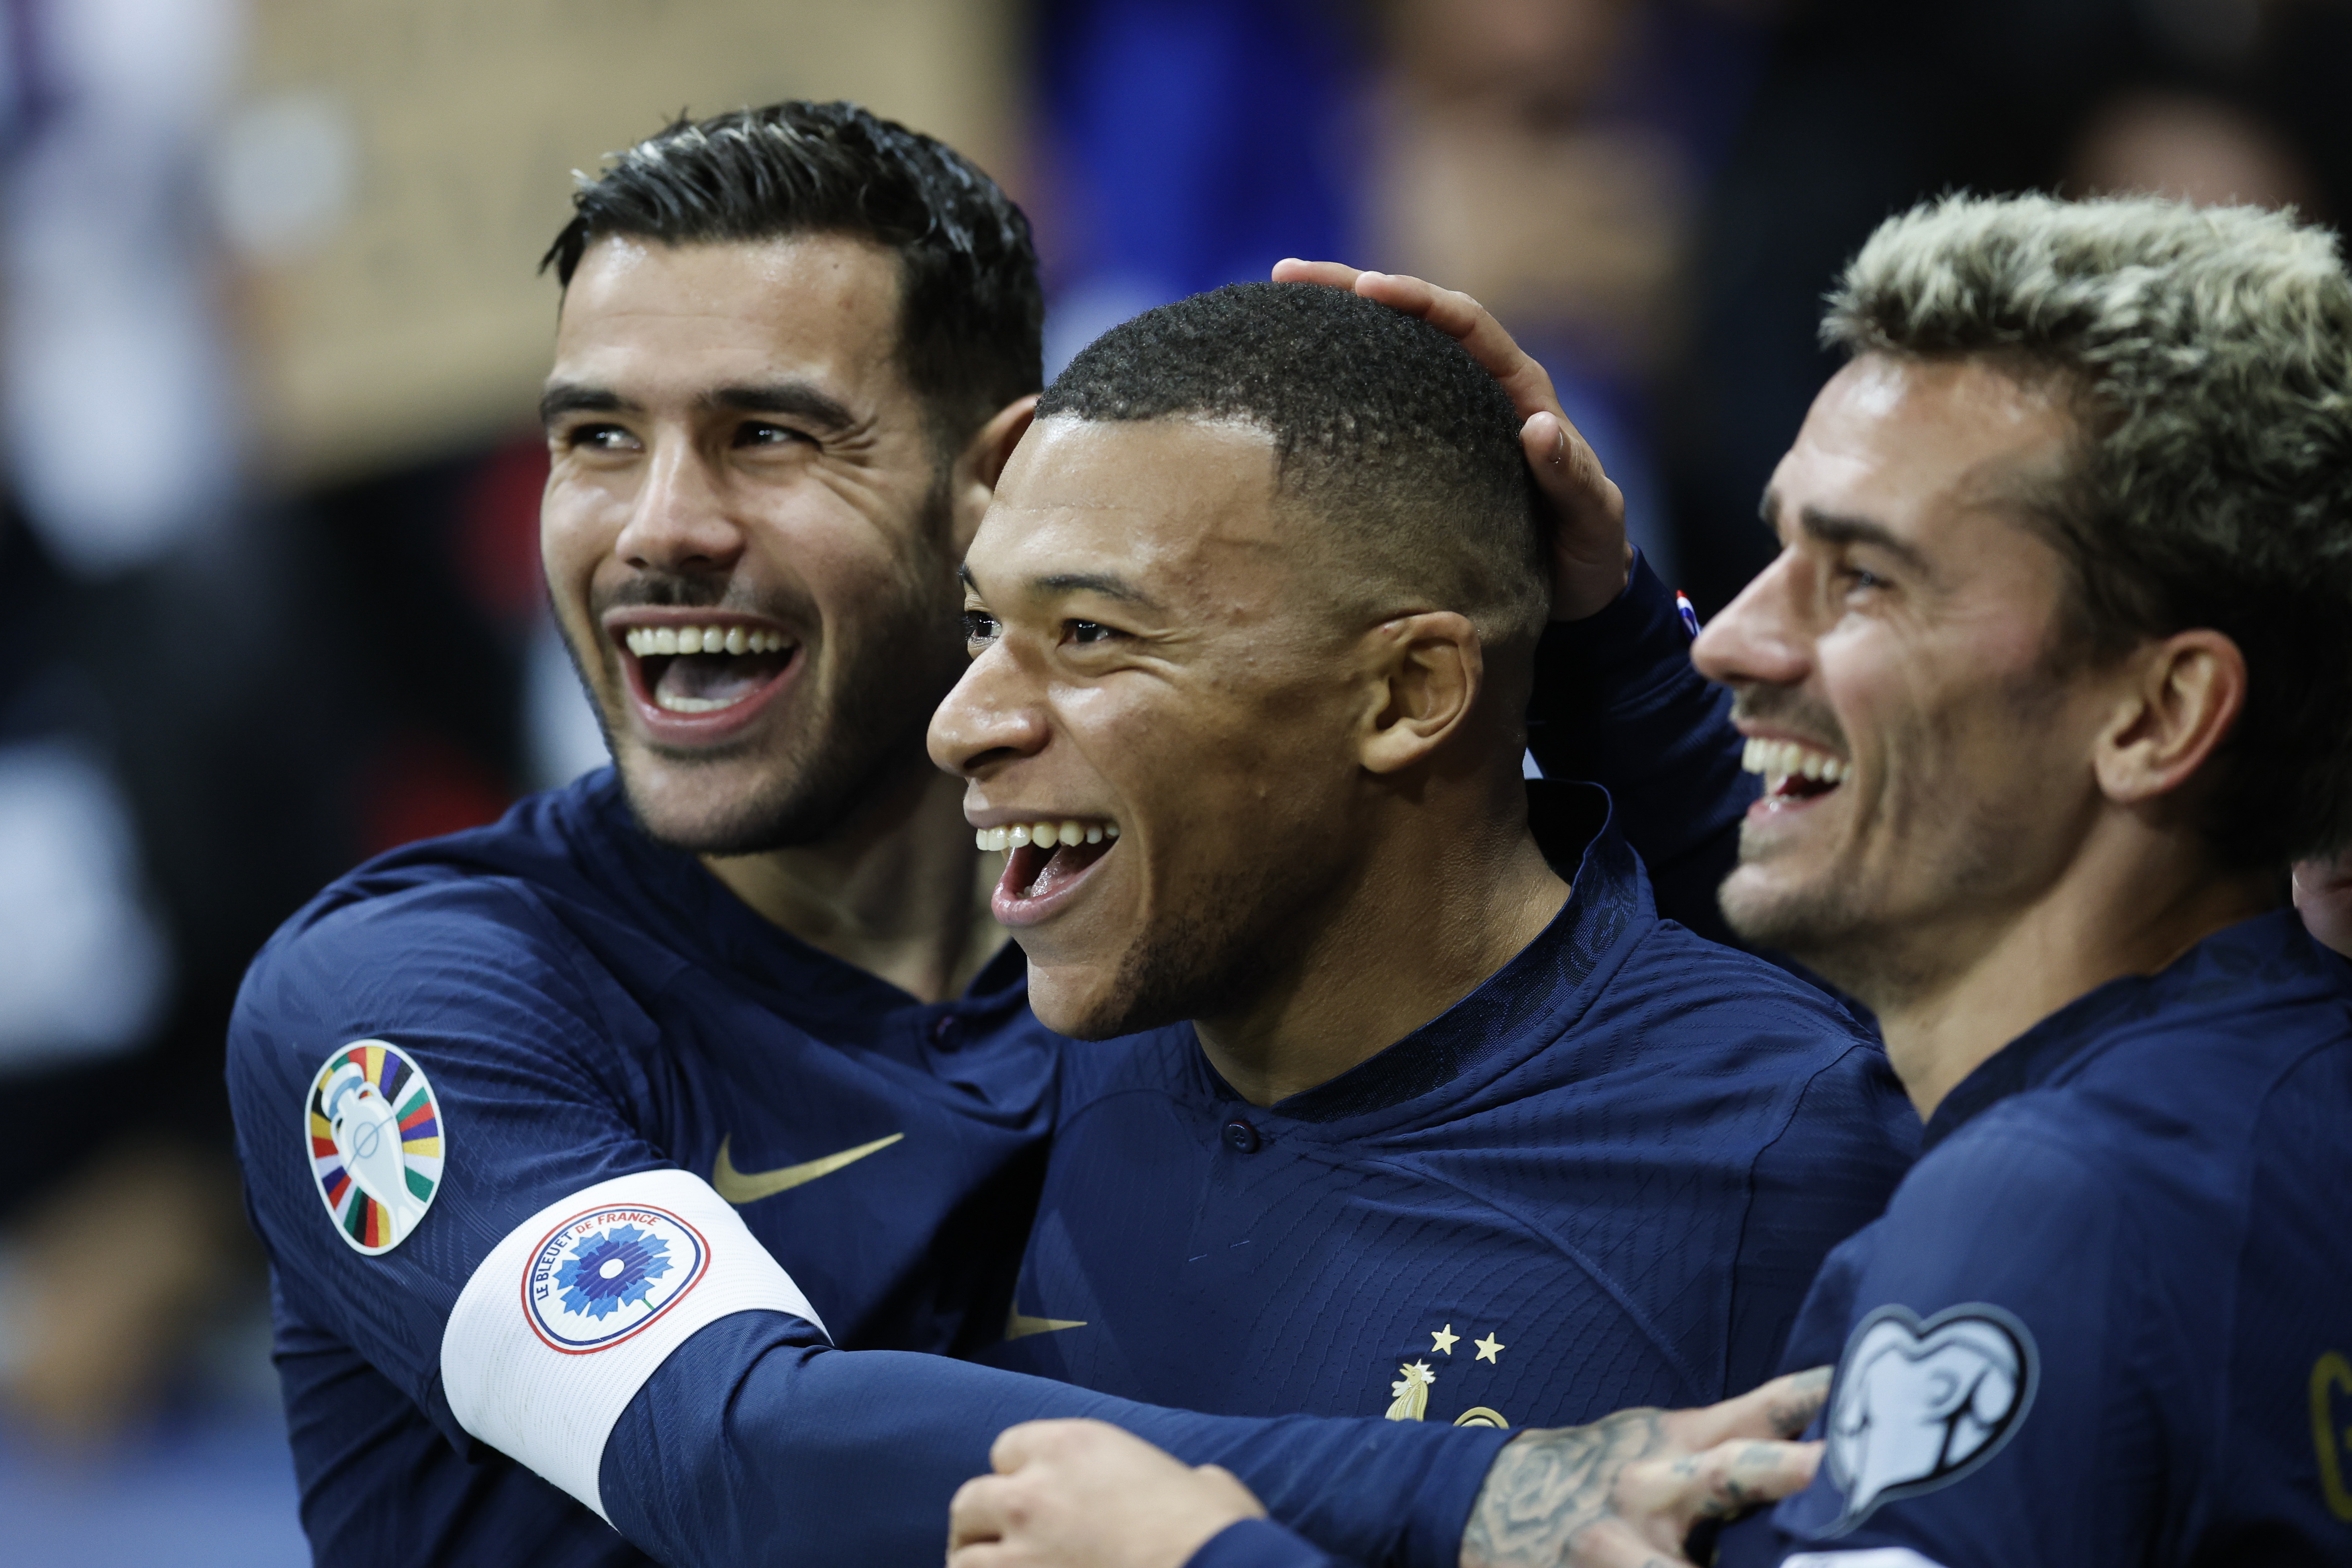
x=1075, y=1000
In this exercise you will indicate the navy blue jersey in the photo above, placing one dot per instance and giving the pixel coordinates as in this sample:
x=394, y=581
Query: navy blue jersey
x=562, y=1153
x=2108, y=1318
x=1605, y=1178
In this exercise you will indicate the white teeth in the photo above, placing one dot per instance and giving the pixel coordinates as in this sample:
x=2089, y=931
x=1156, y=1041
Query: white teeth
x=1046, y=834
x=645, y=641
x=693, y=704
x=1779, y=761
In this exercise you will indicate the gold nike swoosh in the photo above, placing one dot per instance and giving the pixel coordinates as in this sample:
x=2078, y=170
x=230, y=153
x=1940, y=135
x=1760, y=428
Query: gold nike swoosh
x=1017, y=1326
x=741, y=1187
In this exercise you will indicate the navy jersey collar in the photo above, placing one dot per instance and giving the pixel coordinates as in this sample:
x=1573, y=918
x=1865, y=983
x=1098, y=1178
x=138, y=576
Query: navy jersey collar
x=2264, y=947
x=1609, y=894
x=702, y=913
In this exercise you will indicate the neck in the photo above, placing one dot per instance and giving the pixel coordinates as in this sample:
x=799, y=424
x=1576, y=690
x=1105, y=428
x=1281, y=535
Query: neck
x=1447, y=899
x=898, y=891
x=2133, y=901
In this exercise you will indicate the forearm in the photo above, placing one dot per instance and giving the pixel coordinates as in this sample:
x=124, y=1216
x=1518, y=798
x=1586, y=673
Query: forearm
x=752, y=1445
x=1617, y=701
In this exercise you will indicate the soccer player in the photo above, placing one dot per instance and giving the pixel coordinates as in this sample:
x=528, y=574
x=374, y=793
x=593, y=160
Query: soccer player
x=1253, y=614
x=530, y=1115
x=2049, y=686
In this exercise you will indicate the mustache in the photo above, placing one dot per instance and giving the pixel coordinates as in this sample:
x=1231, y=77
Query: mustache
x=684, y=591
x=1783, y=709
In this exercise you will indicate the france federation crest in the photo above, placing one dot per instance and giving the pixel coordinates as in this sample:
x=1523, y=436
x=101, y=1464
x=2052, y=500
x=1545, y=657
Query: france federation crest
x=1918, y=1404
x=374, y=1134
x=604, y=1276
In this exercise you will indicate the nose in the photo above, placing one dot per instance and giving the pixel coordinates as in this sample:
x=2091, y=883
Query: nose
x=996, y=715
x=679, y=522
x=1760, y=638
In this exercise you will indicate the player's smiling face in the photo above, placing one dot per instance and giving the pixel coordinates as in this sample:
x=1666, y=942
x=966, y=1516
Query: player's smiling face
x=744, y=531
x=1154, y=668
x=1926, y=757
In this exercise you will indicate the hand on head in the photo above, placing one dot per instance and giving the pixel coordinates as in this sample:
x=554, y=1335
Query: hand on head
x=1590, y=559
x=1085, y=1494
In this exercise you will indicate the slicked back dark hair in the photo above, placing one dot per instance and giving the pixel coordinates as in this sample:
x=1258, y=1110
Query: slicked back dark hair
x=1383, y=425
x=971, y=313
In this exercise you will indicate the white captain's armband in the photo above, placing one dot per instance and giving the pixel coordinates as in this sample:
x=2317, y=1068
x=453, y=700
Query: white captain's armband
x=569, y=1316
x=1863, y=1557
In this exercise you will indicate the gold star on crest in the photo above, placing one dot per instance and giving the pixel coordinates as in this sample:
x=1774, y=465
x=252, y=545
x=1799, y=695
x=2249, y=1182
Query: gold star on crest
x=1489, y=1347
x=1443, y=1339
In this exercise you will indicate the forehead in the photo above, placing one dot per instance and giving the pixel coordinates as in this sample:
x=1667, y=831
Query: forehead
x=1931, y=448
x=642, y=315
x=1177, y=507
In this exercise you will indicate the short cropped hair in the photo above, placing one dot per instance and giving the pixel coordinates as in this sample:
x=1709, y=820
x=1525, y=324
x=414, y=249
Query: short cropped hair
x=1383, y=425
x=2210, y=352
x=971, y=313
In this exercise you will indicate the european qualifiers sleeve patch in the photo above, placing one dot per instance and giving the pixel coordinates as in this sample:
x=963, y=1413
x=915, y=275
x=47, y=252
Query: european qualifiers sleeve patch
x=1918, y=1404
x=376, y=1143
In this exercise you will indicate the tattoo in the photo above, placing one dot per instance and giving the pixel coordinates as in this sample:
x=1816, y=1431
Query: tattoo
x=1790, y=1417
x=1547, y=1488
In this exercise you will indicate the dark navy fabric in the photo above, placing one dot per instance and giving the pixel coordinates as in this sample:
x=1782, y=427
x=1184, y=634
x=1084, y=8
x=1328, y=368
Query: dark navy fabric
x=1605, y=1178
x=586, y=1004
x=2152, y=1190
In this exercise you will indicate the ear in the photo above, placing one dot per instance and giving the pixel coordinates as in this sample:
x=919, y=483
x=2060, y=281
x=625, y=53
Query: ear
x=1426, y=672
x=2183, y=694
x=982, y=461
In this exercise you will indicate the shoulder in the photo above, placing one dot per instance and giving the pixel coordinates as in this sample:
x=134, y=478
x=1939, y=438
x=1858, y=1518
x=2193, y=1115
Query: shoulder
x=1677, y=975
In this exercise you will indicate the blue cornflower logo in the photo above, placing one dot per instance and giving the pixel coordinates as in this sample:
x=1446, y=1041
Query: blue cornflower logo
x=611, y=1270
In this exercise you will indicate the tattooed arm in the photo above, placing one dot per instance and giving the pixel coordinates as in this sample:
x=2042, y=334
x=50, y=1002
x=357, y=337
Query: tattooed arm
x=1627, y=1490
x=1624, y=1492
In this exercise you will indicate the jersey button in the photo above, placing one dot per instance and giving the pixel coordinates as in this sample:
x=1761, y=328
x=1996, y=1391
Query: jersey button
x=947, y=1031
x=1241, y=1137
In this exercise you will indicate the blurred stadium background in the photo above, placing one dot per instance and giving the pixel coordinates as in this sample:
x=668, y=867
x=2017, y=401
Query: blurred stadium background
x=271, y=335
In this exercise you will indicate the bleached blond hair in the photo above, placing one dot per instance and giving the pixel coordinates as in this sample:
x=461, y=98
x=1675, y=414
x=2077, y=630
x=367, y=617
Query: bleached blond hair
x=2210, y=352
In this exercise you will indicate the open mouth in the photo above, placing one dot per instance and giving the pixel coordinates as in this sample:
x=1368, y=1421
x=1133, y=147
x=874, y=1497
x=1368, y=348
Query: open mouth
x=1042, y=862
x=1793, y=771
x=708, y=667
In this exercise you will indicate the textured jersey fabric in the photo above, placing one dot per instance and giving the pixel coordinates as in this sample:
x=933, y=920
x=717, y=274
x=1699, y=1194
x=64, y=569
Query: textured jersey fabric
x=586, y=1005
x=1605, y=1178
x=2108, y=1318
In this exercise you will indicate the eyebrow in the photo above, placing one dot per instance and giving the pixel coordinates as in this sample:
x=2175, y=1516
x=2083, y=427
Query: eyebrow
x=1108, y=586
x=575, y=397
x=1841, y=528
x=796, y=398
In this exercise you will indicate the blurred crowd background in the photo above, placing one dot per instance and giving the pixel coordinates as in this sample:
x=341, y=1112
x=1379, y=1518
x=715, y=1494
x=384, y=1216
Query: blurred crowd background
x=271, y=335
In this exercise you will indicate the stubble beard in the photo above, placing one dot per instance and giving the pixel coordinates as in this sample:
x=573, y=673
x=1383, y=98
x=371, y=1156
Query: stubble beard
x=859, y=741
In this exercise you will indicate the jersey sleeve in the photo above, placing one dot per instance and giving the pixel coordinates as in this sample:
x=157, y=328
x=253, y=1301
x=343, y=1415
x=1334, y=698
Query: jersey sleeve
x=550, y=1286
x=1995, y=1403
x=1259, y=1544
x=1617, y=702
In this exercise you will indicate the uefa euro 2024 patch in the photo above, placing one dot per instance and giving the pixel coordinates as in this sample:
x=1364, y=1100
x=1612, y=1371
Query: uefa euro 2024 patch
x=375, y=1138
x=1918, y=1406
x=605, y=1275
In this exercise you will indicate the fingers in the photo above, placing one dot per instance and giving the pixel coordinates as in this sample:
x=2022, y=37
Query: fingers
x=1337, y=274
x=981, y=1510
x=1475, y=327
x=1032, y=1440
x=1783, y=1408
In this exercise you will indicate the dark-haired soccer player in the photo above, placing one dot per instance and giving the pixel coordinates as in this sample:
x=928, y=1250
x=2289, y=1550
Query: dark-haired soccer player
x=1254, y=612
x=579, y=1141
x=2050, y=684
